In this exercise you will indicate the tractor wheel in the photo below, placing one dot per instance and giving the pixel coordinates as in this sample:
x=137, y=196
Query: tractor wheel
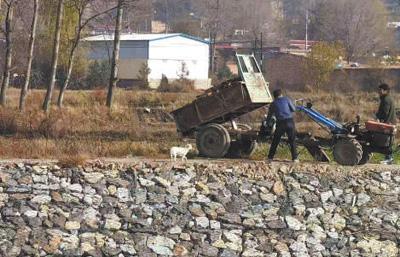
x=241, y=148
x=367, y=155
x=347, y=152
x=213, y=141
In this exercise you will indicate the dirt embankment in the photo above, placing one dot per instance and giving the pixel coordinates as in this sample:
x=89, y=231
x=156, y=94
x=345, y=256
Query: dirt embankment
x=149, y=208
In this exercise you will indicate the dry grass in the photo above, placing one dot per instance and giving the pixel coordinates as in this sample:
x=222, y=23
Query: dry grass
x=72, y=161
x=85, y=127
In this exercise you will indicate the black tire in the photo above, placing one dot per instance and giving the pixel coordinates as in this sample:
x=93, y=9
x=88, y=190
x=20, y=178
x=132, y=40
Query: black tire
x=234, y=151
x=248, y=148
x=367, y=155
x=244, y=147
x=347, y=152
x=241, y=148
x=213, y=141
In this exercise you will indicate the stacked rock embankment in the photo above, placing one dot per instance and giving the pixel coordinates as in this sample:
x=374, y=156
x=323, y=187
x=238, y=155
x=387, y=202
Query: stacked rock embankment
x=214, y=209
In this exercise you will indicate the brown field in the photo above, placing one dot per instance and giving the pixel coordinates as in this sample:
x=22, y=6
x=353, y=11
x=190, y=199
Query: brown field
x=86, y=128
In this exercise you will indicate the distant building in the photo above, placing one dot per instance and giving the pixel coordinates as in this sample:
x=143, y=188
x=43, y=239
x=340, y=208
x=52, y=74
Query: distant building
x=165, y=54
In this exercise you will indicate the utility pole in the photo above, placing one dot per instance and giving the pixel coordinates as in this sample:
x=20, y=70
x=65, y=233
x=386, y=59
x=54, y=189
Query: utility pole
x=166, y=17
x=255, y=46
x=306, y=47
x=262, y=51
x=214, y=37
x=307, y=20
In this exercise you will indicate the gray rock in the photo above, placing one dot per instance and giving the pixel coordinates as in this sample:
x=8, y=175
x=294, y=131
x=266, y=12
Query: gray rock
x=208, y=250
x=128, y=248
x=19, y=189
x=31, y=213
x=41, y=199
x=123, y=195
x=326, y=195
x=215, y=224
x=234, y=239
x=93, y=178
x=175, y=230
x=146, y=183
x=72, y=225
x=294, y=223
x=378, y=248
x=112, y=224
x=386, y=176
x=229, y=253
x=202, y=222
x=161, y=245
x=337, y=192
x=362, y=199
x=43, y=179
x=276, y=224
x=161, y=181
x=298, y=248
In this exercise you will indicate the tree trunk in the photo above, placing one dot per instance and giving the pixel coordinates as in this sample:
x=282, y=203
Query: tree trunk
x=114, y=63
x=56, y=49
x=8, y=58
x=69, y=72
x=28, y=72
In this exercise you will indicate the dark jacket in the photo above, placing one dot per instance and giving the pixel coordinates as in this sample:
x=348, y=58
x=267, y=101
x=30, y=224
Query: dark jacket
x=282, y=108
x=387, y=110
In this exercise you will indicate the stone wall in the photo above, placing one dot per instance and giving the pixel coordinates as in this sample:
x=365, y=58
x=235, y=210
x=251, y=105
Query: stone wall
x=213, y=209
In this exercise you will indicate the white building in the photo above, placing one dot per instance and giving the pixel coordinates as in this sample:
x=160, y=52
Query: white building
x=165, y=54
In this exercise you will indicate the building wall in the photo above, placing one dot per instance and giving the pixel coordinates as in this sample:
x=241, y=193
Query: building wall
x=129, y=50
x=167, y=56
x=284, y=71
x=164, y=57
x=287, y=72
x=128, y=69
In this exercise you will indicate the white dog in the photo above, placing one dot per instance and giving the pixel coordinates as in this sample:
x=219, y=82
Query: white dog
x=180, y=152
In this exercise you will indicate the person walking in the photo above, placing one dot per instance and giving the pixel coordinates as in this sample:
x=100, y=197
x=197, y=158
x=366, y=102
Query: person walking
x=386, y=113
x=283, y=108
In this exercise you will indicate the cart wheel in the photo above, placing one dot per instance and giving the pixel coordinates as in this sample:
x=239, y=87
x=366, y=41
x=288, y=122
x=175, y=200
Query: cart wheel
x=367, y=155
x=213, y=141
x=241, y=148
x=348, y=152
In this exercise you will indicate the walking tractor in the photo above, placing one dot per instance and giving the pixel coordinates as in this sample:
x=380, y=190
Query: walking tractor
x=210, y=119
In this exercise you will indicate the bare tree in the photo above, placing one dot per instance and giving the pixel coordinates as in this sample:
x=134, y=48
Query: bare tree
x=56, y=49
x=24, y=89
x=360, y=25
x=81, y=7
x=8, y=56
x=115, y=59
